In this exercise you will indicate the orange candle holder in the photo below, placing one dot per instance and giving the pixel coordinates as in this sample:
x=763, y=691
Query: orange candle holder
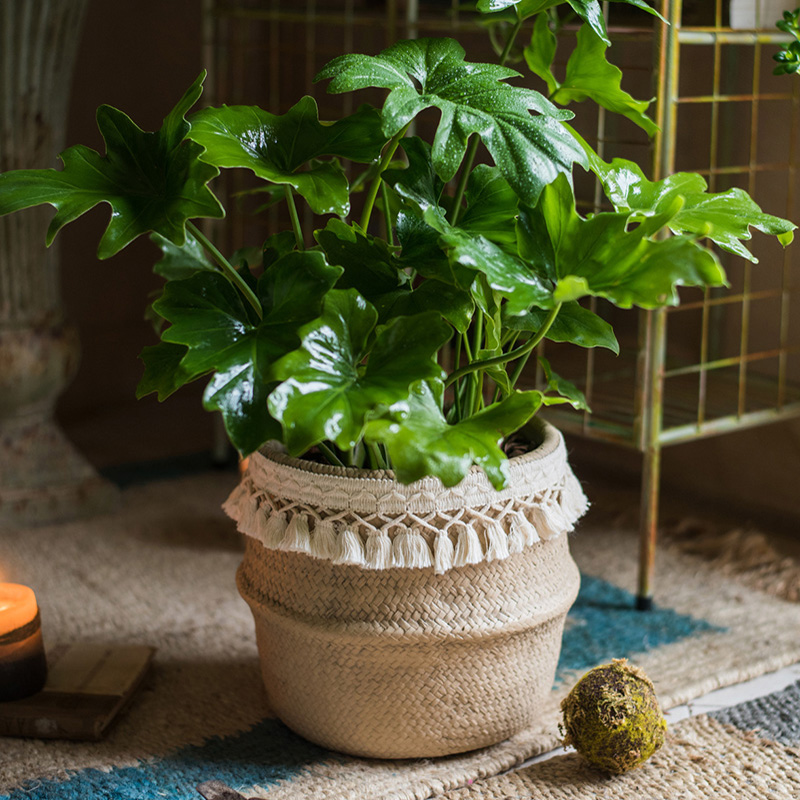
x=23, y=667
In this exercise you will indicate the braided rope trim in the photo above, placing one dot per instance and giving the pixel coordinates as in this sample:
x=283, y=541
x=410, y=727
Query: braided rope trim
x=370, y=520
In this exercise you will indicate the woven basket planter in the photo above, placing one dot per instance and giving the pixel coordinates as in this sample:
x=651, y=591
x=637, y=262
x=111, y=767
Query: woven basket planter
x=405, y=621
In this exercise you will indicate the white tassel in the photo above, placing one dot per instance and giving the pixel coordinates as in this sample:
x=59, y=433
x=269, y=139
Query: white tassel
x=410, y=549
x=559, y=514
x=247, y=520
x=261, y=522
x=549, y=520
x=468, y=548
x=443, y=552
x=496, y=542
x=350, y=549
x=528, y=531
x=323, y=543
x=379, y=551
x=275, y=530
x=573, y=499
x=516, y=536
x=297, y=538
x=232, y=506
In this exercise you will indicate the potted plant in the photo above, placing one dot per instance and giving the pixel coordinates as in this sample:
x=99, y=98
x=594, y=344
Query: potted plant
x=408, y=579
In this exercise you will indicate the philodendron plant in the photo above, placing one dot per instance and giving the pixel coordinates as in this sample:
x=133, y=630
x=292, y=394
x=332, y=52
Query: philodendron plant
x=336, y=340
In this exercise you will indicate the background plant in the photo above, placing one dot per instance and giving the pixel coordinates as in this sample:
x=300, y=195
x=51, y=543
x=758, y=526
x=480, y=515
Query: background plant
x=788, y=57
x=337, y=340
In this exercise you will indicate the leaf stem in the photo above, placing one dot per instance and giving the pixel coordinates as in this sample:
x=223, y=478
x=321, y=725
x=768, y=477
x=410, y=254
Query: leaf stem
x=457, y=364
x=227, y=269
x=387, y=216
x=466, y=169
x=510, y=41
x=372, y=192
x=330, y=455
x=298, y=230
x=513, y=355
x=474, y=141
x=376, y=457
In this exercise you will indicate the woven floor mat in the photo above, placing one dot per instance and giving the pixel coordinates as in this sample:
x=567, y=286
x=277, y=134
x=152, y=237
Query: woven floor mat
x=748, y=751
x=161, y=572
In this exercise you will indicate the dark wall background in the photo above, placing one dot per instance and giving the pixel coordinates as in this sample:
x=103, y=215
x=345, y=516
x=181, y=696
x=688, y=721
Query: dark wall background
x=139, y=57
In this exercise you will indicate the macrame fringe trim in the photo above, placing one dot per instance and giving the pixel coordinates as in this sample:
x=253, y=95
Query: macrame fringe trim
x=462, y=543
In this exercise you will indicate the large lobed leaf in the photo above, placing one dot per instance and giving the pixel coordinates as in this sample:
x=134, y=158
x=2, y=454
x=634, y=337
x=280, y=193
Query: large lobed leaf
x=152, y=181
x=275, y=147
x=725, y=217
x=423, y=442
x=329, y=393
x=473, y=99
x=608, y=255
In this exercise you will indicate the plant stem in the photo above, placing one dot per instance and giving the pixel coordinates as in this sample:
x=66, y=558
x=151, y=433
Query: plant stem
x=372, y=192
x=474, y=141
x=457, y=364
x=476, y=381
x=298, y=231
x=520, y=352
x=387, y=216
x=510, y=42
x=466, y=169
x=376, y=457
x=330, y=455
x=227, y=269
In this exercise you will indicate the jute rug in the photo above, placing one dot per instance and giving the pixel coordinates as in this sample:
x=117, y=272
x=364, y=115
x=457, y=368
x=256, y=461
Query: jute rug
x=748, y=751
x=161, y=572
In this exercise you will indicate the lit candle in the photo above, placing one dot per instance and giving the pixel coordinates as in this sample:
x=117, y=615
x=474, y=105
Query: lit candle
x=23, y=668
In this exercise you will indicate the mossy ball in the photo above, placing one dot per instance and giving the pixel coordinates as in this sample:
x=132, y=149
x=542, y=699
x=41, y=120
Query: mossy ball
x=612, y=717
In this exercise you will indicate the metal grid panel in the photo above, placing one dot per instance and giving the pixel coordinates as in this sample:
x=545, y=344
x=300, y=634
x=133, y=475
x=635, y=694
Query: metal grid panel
x=725, y=358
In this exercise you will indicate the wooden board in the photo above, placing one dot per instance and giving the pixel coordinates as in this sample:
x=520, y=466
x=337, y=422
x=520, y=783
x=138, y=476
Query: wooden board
x=87, y=685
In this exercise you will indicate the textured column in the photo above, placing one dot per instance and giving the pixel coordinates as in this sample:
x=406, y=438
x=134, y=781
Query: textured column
x=42, y=477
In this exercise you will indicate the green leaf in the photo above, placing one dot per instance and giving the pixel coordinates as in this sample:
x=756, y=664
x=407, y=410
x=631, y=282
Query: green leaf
x=589, y=11
x=606, y=257
x=453, y=304
x=423, y=443
x=163, y=373
x=541, y=52
x=277, y=246
x=725, y=218
x=573, y=324
x=418, y=181
x=369, y=265
x=152, y=181
x=492, y=207
x=472, y=98
x=421, y=251
x=505, y=273
x=590, y=76
x=220, y=334
x=182, y=261
x=566, y=391
x=276, y=147
x=329, y=393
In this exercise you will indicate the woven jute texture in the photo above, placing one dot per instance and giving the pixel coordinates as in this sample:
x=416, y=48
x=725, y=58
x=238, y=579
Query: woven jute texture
x=701, y=760
x=404, y=663
x=368, y=519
